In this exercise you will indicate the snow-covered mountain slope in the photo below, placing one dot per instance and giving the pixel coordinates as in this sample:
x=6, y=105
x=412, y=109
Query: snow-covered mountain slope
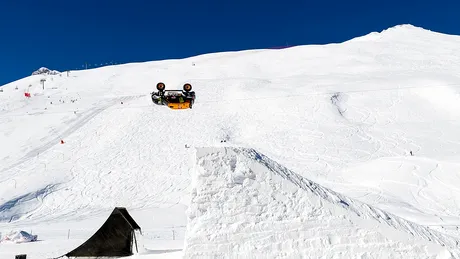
x=245, y=204
x=418, y=188
x=343, y=115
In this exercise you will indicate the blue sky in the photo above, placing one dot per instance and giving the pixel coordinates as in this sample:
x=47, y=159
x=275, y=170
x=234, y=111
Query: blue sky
x=64, y=35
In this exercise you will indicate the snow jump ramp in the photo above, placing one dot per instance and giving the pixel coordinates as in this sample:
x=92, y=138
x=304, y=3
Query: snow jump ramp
x=245, y=205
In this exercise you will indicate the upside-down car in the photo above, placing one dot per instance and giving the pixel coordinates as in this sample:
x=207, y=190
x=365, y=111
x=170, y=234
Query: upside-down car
x=174, y=99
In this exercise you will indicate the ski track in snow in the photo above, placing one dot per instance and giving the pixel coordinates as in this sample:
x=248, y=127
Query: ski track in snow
x=80, y=121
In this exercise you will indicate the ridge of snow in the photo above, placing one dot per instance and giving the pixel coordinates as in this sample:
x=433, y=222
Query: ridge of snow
x=405, y=26
x=244, y=203
x=372, y=36
x=402, y=31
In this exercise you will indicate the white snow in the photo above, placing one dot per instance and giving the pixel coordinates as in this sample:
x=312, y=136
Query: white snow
x=45, y=71
x=344, y=116
x=245, y=204
x=18, y=237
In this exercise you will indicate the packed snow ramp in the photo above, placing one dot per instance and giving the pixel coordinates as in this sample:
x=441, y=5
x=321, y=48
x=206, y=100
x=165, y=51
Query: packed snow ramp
x=244, y=204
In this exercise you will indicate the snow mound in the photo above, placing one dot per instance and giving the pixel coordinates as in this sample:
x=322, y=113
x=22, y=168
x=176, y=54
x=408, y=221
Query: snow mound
x=243, y=203
x=45, y=71
x=18, y=237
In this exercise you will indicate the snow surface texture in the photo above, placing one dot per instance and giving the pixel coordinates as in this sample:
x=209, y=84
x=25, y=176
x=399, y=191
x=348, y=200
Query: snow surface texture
x=344, y=116
x=244, y=204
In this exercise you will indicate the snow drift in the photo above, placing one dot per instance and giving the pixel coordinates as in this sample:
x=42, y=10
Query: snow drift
x=18, y=237
x=245, y=204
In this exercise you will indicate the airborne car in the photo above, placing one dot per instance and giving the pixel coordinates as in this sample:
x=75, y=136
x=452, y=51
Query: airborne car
x=174, y=99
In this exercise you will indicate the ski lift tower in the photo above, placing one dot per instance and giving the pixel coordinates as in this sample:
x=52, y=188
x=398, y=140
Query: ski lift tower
x=43, y=82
